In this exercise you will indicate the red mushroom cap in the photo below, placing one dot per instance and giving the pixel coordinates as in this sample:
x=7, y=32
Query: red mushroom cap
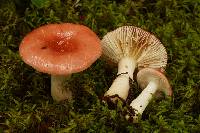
x=60, y=49
x=145, y=75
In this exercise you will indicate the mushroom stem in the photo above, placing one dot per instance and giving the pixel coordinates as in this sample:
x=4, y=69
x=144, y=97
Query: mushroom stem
x=120, y=85
x=140, y=103
x=59, y=89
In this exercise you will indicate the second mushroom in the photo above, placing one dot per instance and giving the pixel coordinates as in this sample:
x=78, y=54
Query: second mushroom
x=131, y=47
x=151, y=81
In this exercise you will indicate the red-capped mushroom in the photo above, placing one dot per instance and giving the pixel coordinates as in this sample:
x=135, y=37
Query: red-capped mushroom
x=151, y=81
x=60, y=50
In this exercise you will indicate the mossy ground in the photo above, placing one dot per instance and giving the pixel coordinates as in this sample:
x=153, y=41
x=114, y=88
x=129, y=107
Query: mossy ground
x=25, y=101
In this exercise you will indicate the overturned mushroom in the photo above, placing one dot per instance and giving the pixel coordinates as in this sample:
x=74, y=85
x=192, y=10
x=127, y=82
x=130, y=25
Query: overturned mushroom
x=60, y=50
x=152, y=81
x=131, y=47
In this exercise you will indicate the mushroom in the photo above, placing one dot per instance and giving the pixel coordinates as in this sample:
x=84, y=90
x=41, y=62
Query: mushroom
x=151, y=81
x=60, y=50
x=131, y=47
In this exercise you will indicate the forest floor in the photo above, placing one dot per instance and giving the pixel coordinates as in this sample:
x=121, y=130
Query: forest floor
x=26, y=104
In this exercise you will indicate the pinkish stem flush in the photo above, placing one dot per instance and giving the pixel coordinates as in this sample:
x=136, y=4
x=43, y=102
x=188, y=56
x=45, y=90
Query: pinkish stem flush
x=59, y=89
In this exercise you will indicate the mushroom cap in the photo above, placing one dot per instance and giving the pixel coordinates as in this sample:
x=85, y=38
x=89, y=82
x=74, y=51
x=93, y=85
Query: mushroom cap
x=60, y=49
x=145, y=75
x=134, y=42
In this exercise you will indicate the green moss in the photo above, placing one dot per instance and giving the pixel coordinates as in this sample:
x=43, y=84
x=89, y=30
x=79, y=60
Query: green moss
x=25, y=101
